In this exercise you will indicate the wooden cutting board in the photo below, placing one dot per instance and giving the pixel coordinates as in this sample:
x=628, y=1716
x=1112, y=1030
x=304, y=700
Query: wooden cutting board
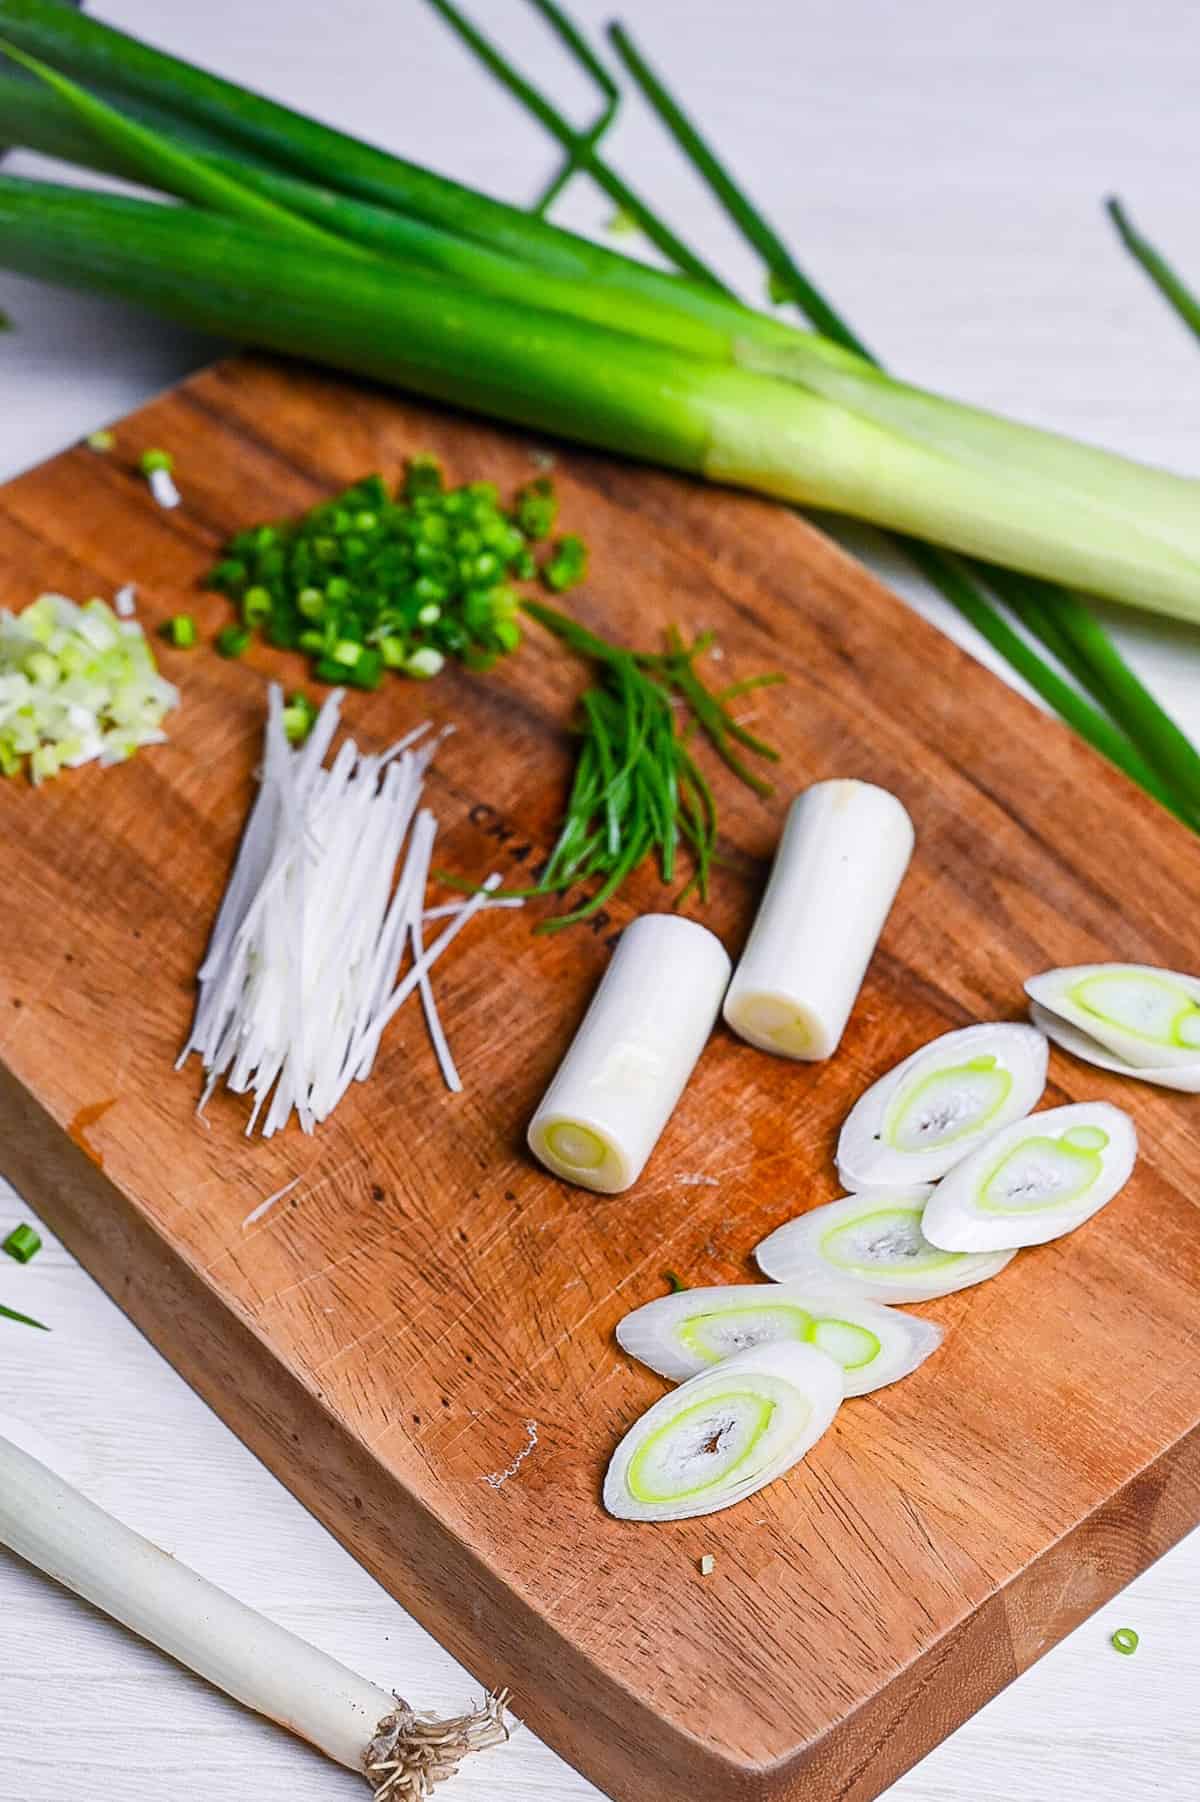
x=419, y=1338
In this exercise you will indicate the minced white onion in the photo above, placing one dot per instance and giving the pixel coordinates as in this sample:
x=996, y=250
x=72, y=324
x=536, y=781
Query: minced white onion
x=325, y=902
x=77, y=684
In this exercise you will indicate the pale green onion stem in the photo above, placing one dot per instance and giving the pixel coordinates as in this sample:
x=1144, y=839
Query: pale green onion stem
x=1051, y=613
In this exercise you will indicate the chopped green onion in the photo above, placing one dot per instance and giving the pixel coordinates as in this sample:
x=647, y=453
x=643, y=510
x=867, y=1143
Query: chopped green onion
x=567, y=566
x=707, y=1565
x=22, y=1244
x=537, y=508
x=298, y=717
x=232, y=641
x=371, y=580
x=621, y=223
x=673, y=1283
x=180, y=631
x=102, y=441
x=151, y=460
x=1125, y=1641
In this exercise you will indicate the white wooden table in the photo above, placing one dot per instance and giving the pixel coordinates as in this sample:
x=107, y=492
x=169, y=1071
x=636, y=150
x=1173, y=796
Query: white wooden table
x=940, y=167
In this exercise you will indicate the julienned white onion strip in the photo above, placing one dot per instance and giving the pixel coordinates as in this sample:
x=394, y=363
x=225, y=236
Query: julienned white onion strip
x=48, y=1523
x=303, y=970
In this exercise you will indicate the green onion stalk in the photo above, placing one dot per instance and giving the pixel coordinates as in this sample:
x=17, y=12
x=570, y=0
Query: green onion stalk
x=44, y=119
x=1048, y=611
x=676, y=373
x=568, y=375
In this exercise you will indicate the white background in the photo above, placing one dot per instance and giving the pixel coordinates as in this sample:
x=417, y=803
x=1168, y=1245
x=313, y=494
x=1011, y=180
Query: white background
x=940, y=168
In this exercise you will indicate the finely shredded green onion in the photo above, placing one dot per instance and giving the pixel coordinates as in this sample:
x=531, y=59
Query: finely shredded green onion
x=637, y=791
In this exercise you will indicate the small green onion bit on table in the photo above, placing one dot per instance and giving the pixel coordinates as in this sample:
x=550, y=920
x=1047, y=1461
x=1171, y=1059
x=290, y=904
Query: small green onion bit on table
x=371, y=581
x=1125, y=1641
x=22, y=1244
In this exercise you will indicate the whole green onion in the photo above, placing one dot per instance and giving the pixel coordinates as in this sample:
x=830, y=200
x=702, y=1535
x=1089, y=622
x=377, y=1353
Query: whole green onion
x=852, y=442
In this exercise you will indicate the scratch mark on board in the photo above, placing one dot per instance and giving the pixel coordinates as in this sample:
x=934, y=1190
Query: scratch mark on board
x=498, y=1478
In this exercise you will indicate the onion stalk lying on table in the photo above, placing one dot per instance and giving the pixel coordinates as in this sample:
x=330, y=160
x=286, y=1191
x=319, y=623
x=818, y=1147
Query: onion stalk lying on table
x=476, y=303
x=355, y=1723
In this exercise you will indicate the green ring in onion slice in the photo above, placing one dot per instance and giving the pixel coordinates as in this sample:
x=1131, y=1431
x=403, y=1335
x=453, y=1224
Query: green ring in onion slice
x=683, y=1334
x=1040, y=1178
x=872, y=1246
x=1147, y=1020
x=1184, y=1078
x=725, y=1434
x=932, y=1110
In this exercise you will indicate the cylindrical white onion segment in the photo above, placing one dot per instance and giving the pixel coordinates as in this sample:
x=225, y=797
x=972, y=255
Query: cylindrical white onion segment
x=627, y=1065
x=355, y=1723
x=1146, y=1017
x=844, y=850
x=932, y=1110
x=683, y=1334
x=725, y=1434
x=1185, y=1078
x=874, y=1246
x=1038, y=1179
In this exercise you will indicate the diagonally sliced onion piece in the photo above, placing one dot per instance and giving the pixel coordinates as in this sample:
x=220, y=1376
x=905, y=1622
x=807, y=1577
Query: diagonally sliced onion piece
x=932, y=1110
x=872, y=1246
x=1069, y=1038
x=683, y=1334
x=725, y=1434
x=1147, y=1017
x=1035, y=1181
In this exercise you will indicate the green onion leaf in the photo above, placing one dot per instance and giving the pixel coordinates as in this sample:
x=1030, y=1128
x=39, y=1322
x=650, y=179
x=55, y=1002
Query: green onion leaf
x=1171, y=286
x=148, y=155
x=22, y=1319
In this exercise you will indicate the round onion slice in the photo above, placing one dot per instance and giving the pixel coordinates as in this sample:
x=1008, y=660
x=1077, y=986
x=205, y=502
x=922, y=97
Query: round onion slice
x=725, y=1434
x=1070, y=1038
x=683, y=1334
x=1146, y=1017
x=1035, y=1181
x=872, y=1246
x=932, y=1110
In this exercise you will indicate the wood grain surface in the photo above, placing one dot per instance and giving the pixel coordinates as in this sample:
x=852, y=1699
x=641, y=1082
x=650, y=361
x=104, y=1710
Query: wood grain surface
x=385, y=1336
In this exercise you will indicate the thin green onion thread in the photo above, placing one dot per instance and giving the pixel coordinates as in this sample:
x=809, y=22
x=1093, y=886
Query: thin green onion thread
x=1171, y=286
x=586, y=140
x=583, y=153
